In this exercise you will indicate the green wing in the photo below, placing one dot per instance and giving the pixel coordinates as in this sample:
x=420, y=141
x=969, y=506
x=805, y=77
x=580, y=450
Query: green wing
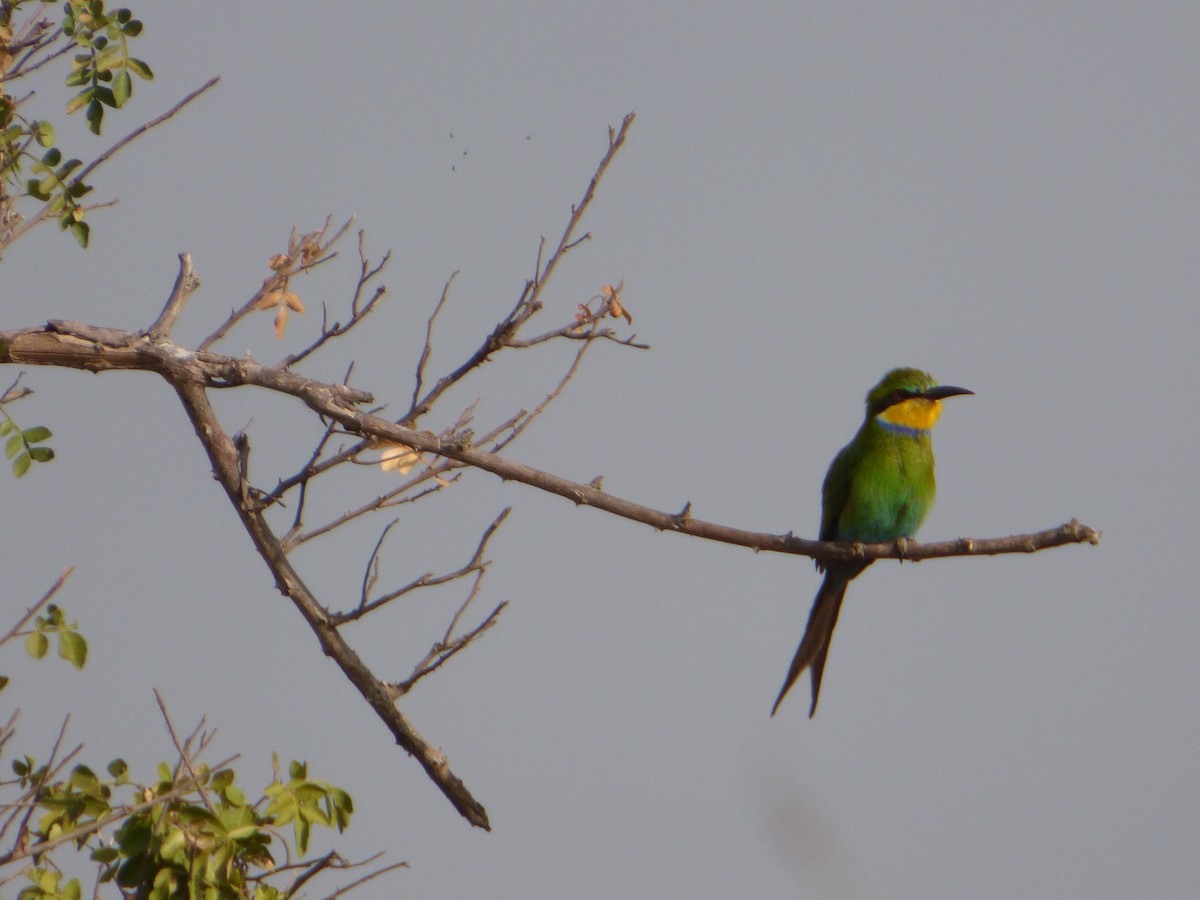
x=835, y=493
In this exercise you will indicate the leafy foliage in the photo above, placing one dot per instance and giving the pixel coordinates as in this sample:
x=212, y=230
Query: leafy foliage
x=101, y=66
x=189, y=832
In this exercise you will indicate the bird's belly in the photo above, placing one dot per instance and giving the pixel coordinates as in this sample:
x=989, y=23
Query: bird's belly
x=882, y=518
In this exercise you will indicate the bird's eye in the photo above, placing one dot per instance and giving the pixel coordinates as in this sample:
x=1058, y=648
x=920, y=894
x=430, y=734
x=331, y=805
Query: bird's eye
x=900, y=394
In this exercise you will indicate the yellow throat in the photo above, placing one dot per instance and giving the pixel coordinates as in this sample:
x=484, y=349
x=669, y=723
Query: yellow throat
x=918, y=414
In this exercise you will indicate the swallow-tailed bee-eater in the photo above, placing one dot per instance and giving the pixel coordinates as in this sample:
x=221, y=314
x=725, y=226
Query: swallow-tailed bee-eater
x=878, y=488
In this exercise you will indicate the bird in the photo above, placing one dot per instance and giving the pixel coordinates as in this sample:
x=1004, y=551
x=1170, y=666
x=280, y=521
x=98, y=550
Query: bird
x=878, y=488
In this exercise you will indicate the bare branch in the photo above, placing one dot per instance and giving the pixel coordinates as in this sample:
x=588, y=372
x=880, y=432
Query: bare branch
x=185, y=284
x=475, y=564
x=223, y=456
x=529, y=303
x=357, y=313
x=442, y=652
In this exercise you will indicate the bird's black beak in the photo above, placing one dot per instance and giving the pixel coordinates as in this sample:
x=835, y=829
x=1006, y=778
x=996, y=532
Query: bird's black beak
x=942, y=391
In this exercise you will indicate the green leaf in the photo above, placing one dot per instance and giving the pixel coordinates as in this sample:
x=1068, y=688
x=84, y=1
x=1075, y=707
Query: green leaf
x=83, y=778
x=41, y=454
x=33, y=187
x=36, y=435
x=95, y=114
x=122, y=87
x=140, y=68
x=43, y=133
x=81, y=232
x=117, y=768
x=134, y=836
x=37, y=644
x=133, y=29
x=303, y=830
x=72, y=646
x=77, y=102
x=13, y=446
x=6, y=426
x=21, y=465
x=52, y=157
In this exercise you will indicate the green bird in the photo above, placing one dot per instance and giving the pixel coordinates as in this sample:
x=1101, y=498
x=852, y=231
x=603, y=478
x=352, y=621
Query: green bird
x=878, y=488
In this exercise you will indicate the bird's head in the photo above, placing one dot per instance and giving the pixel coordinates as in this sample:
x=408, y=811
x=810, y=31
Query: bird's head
x=909, y=399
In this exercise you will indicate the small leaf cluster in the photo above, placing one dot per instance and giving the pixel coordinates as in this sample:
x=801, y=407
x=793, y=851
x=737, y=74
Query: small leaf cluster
x=50, y=180
x=72, y=646
x=51, y=183
x=47, y=886
x=105, y=67
x=304, y=803
x=25, y=446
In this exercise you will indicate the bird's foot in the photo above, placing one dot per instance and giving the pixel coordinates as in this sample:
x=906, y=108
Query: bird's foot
x=902, y=547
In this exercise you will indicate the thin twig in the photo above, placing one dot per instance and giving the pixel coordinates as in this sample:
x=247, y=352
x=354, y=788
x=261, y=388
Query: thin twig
x=361, y=881
x=142, y=129
x=529, y=303
x=183, y=756
x=441, y=653
x=104, y=157
x=357, y=313
x=428, y=579
x=428, y=348
x=387, y=500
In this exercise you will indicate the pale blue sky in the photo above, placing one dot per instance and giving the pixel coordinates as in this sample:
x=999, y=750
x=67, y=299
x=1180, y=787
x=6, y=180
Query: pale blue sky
x=1005, y=195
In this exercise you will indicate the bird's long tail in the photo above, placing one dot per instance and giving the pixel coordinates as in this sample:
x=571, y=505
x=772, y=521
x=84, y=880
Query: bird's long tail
x=821, y=622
